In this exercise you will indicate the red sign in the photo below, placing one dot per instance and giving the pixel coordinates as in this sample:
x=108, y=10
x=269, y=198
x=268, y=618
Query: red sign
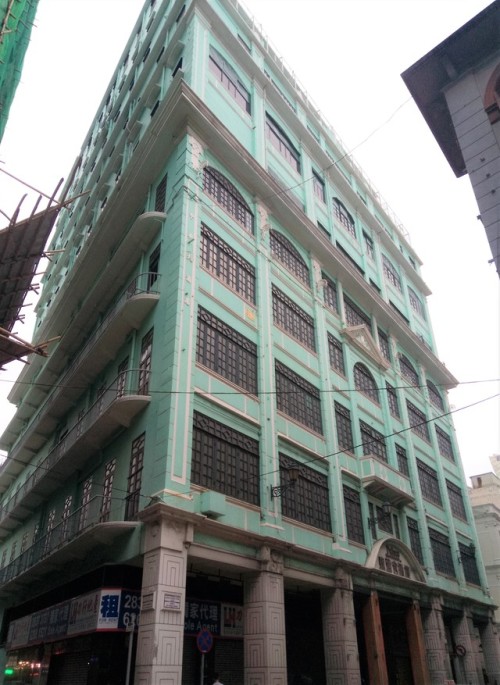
x=204, y=641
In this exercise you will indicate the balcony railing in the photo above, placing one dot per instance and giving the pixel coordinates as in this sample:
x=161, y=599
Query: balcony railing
x=98, y=510
x=114, y=408
x=384, y=482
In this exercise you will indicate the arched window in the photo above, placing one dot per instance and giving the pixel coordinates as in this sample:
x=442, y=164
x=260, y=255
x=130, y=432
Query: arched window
x=289, y=256
x=408, y=371
x=228, y=196
x=344, y=216
x=365, y=383
x=435, y=395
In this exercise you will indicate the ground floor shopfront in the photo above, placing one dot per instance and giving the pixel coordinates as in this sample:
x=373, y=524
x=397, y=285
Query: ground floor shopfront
x=275, y=616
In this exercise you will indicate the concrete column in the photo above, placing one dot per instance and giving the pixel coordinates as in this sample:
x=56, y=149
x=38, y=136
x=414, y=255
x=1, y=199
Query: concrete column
x=491, y=651
x=265, y=639
x=161, y=632
x=374, y=638
x=416, y=640
x=467, y=664
x=435, y=643
x=339, y=633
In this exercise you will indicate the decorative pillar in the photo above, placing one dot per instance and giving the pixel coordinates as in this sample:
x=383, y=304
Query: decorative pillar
x=416, y=641
x=466, y=653
x=435, y=643
x=374, y=638
x=339, y=633
x=265, y=639
x=491, y=650
x=160, y=638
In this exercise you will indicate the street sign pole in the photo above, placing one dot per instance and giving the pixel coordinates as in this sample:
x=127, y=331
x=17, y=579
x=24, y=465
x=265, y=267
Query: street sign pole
x=202, y=676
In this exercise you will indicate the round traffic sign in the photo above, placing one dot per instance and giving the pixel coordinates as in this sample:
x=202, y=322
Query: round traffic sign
x=204, y=641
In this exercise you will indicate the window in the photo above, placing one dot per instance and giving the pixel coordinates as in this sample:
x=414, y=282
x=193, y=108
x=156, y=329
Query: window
x=399, y=313
x=415, y=542
x=418, y=421
x=282, y=143
x=161, y=195
x=373, y=442
x=226, y=352
x=121, y=379
x=134, y=483
x=435, y=396
x=65, y=516
x=391, y=274
x=354, y=522
x=292, y=319
x=336, y=353
x=365, y=383
x=289, y=256
x=227, y=265
x=145, y=363
x=330, y=293
x=297, y=398
x=355, y=316
x=369, y=246
x=344, y=217
x=456, y=500
x=444, y=444
x=441, y=552
x=228, y=197
x=402, y=460
x=318, y=187
x=308, y=502
x=385, y=347
x=225, y=73
x=85, y=504
x=408, y=371
x=392, y=398
x=109, y=471
x=344, y=427
x=429, y=483
x=225, y=460
x=469, y=564
x=153, y=266
x=416, y=303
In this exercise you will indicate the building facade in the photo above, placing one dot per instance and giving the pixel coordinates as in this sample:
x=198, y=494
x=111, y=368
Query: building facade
x=239, y=455
x=457, y=88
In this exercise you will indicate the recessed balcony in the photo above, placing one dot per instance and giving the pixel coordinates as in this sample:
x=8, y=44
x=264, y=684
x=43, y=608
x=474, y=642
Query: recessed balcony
x=382, y=481
x=115, y=408
x=94, y=524
x=127, y=314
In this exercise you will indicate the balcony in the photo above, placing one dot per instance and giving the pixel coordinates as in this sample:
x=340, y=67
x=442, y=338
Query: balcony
x=382, y=481
x=115, y=408
x=96, y=523
x=127, y=314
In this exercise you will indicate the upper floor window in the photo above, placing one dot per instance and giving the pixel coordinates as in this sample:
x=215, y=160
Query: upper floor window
x=444, y=444
x=225, y=73
x=145, y=363
x=392, y=398
x=416, y=303
x=224, y=459
x=318, y=187
x=408, y=371
x=415, y=542
x=344, y=216
x=289, y=256
x=344, y=427
x=228, y=196
x=297, y=398
x=435, y=395
x=456, y=500
x=134, y=482
x=309, y=502
x=429, y=483
x=282, y=143
x=369, y=246
x=391, y=274
x=226, y=352
x=441, y=552
x=402, y=460
x=353, y=517
x=227, y=265
x=385, y=347
x=418, y=421
x=373, y=442
x=330, y=293
x=365, y=383
x=161, y=195
x=293, y=319
x=354, y=316
x=336, y=354
x=469, y=564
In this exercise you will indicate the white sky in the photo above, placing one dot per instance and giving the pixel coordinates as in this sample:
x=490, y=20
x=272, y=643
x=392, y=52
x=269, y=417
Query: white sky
x=348, y=55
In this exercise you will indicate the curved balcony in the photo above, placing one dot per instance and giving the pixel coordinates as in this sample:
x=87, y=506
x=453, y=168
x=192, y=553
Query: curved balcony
x=95, y=523
x=127, y=314
x=384, y=482
x=115, y=408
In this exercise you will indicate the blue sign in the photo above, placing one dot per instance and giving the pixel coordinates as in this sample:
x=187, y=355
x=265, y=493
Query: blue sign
x=204, y=641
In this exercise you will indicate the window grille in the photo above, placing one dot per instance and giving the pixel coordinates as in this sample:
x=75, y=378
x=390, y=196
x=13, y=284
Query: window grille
x=456, y=500
x=441, y=552
x=408, y=371
x=469, y=563
x=344, y=217
x=109, y=471
x=418, y=421
x=435, y=396
x=429, y=483
x=355, y=316
x=369, y=247
x=392, y=398
x=308, y=502
x=373, y=442
x=134, y=484
x=318, y=187
x=330, y=293
x=225, y=73
x=444, y=444
x=227, y=265
x=365, y=383
x=289, y=256
x=402, y=460
x=297, y=398
x=161, y=195
x=145, y=363
x=281, y=142
x=228, y=196
x=416, y=303
x=391, y=274
x=292, y=319
x=385, y=348
x=354, y=522
x=344, y=427
x=415, y=542
x=336, y=352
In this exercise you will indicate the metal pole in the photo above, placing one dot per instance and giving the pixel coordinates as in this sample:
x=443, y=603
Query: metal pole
x=130, y=646
x=202, y=679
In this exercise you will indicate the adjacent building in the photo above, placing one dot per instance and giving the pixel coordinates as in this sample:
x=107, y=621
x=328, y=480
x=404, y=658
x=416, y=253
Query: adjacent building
x=239, y=453
x=457, y=88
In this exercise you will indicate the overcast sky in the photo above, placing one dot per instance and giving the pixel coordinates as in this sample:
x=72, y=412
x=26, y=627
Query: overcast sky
x=348, y=55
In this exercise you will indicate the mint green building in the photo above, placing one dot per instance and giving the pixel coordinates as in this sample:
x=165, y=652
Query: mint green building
x=239, y=455
x=16, y=22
